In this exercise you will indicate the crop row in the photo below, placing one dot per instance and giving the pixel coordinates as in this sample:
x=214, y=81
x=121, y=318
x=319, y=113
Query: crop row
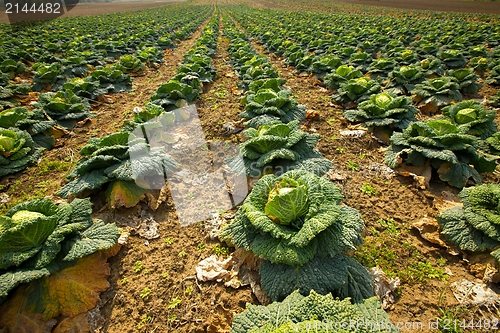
x=292, y=219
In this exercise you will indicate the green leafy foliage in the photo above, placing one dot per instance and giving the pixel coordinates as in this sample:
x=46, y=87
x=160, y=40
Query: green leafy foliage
x=17, y=151
x=12, y=68
x=281, y=147
x=467, y=80
x=404, y=78
x=493, y=143
x=381, y=67
x=266, y=104
x=438, y=92
x=384, y=109
x=295, y=224
x=472, y=118
x=170, y=93
x=476, y=225
x=40, y=126
x=130, y=64
x=431, y=67
x=83, y=87
x=444, y=146
x=313, y=313
x=108, y=161
x=47, y=73
x=341, y=75
x=37, y=236
x=356, y=90
x=64, y=106
x=110, y=79
x=494, y=76
x=452, y=58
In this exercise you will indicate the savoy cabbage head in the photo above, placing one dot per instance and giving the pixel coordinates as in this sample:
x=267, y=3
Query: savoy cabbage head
x=384, y=109
x=64, y=107
x=107, y=161
x=313, y=313
x=476, y=225
x=442, y=144
x=267, y=105
x=404, y=78
x=280, y=147
x=467, y=80
x=472, y=118
x=341, y=75
x=356, y=90
x=34, y=235
x=17, y=151
x=431, y=67
x=438, y=92
x=295, y=224
x=168, y=94
x=493, y=77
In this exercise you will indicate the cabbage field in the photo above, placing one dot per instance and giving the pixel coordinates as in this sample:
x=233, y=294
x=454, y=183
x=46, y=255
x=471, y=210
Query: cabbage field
x=238, y=166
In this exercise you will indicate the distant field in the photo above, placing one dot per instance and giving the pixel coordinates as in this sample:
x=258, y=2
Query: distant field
x=84, y=9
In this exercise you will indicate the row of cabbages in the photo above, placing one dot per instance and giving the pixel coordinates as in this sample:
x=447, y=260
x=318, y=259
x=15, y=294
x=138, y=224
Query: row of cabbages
x=293, y=220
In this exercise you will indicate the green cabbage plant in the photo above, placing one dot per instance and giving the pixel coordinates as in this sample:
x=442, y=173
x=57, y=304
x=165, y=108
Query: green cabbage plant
x=168, y=94
x=440, y=144
x=361, y=61
x=12, y=68
x=38, y=236
x=64, y=106
x=111, y=78
x=472, y=118
x=493, y=144
x=475, y=226
x=494, y=100
x=314, y=313
x=467, y=80
x=438, y=92
x=47, y=74
x=479, y=64
x=494, y=76
x=42, y=129
x=404, y=78
x=17, y=151
x=151, y=55
x=295, y=225
x=279, y=147
x=356, y=90
x=130, y=64
x=107, y=161
x=325, y=64
x=381, y=67
x=431, y=67
x=267, y=105
x=75, y=66
x=83, y=87
x=452, y=58
x=200, y=66
x=341, y=75
x=384, y=110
